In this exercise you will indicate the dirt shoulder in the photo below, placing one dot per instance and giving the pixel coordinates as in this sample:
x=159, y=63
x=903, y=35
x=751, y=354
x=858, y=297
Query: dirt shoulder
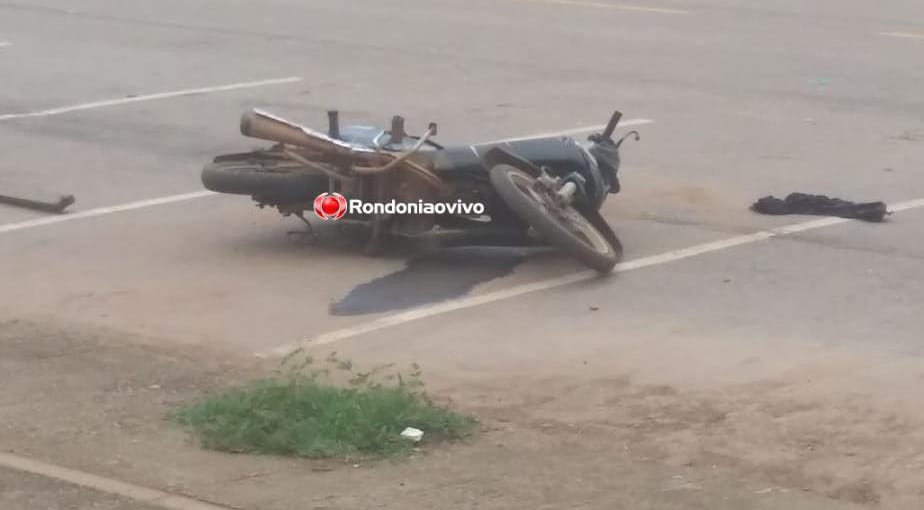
x=95, y=400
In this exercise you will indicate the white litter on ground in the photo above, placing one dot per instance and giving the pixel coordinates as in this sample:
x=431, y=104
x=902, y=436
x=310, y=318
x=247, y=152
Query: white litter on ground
x=412, y=434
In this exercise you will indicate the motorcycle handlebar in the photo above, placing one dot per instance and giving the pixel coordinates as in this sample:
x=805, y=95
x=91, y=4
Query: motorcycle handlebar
x=611, y=126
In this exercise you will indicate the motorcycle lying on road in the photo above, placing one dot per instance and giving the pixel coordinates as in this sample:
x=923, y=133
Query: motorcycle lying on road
x=551, y=187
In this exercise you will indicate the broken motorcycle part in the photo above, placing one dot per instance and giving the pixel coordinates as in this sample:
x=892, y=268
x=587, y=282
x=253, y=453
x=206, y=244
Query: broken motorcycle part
x=57, y=206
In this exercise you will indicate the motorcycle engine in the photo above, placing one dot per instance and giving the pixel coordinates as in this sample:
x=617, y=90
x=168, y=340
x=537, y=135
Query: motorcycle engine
x=410, y=188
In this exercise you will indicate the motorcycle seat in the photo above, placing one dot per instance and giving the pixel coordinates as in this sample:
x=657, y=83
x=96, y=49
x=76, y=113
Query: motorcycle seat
x=559, y=153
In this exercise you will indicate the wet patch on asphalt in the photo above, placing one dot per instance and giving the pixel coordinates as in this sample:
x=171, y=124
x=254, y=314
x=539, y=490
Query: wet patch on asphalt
x=430, y=279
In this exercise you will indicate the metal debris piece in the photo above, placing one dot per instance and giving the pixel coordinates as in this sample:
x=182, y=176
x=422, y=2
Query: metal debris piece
x=58, y=206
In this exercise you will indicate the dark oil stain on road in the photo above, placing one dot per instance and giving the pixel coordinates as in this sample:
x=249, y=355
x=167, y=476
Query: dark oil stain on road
x=429, y=279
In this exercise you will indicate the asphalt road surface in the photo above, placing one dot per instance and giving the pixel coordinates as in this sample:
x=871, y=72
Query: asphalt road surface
x=787, y=348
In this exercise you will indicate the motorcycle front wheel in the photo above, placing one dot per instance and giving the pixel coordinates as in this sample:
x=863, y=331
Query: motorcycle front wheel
x=563, y=227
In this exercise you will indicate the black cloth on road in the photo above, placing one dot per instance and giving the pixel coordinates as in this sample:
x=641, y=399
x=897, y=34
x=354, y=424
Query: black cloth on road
x=820, y=205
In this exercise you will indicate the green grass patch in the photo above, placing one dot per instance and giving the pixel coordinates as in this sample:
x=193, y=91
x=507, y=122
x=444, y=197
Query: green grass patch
x=332, y=411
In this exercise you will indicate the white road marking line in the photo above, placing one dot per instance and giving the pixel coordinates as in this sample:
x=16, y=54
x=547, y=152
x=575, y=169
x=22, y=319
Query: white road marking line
x=574, y=131
x=51, y=220
x=904, y=206
x=145, y=495
x=149, y=97
x=22, y=225
x=519, y=290
x=903, y=35
x=602, y=5
x=4, y=44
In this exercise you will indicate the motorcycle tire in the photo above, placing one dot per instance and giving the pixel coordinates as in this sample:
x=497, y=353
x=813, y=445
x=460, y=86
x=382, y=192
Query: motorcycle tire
x=576, y=235
x=270, y=181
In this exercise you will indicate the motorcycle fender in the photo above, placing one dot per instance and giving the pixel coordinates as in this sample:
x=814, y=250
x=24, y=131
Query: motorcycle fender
x=500, y=156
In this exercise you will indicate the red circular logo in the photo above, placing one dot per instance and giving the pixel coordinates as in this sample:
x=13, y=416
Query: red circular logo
x=330, y=206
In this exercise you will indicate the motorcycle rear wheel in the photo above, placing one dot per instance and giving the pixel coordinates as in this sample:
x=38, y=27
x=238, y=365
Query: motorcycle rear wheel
x=564, y=227
x=269, y=180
